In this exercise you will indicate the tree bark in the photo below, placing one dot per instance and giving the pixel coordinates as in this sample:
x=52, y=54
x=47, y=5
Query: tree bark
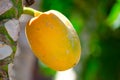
x=15, y=57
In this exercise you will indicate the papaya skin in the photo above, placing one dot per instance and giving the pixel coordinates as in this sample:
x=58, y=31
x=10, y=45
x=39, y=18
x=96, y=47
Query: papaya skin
x=53, y=40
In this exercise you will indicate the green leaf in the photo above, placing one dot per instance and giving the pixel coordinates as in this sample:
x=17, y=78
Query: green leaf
x=77, y=21
x=8, y=15
x=9, y=40
x=14, y=12
x=18, y=6
x=114, y=16
x=118, y=0
x=45, y=70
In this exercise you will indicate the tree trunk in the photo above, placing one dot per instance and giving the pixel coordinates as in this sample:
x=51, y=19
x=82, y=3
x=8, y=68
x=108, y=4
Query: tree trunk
x=12, y=55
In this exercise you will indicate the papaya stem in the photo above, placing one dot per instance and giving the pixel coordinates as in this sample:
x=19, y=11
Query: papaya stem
x=31, y=11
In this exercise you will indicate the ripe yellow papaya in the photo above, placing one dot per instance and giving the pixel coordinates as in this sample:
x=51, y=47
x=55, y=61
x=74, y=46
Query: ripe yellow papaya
x=53, y=40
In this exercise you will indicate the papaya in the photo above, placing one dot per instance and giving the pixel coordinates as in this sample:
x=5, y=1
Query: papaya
x=53, y=40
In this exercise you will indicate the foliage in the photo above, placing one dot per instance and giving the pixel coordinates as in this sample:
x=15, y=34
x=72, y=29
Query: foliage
x=114, y=16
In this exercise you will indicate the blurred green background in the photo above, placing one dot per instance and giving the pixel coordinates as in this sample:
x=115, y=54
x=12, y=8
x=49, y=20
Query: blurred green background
x=97, y=23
